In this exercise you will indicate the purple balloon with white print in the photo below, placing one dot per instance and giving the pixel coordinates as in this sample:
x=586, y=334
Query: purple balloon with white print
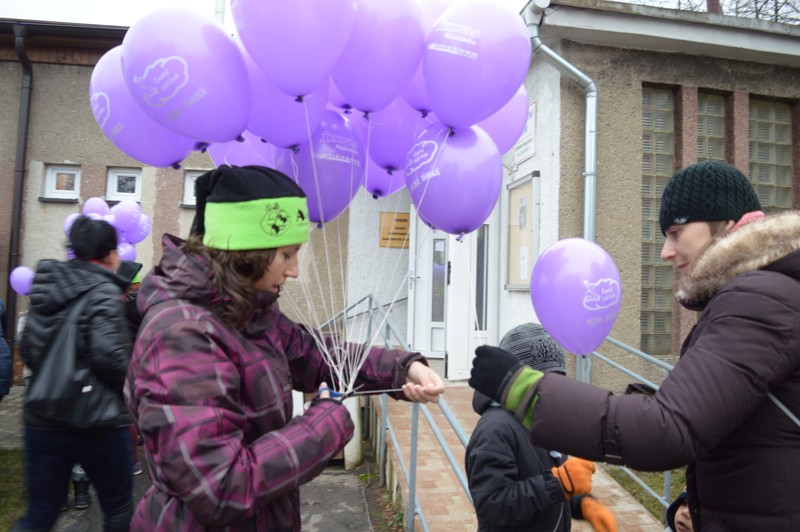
x=577, y=293
x=329, y=169
x=454, y=177
x=477, y=56
x=187, y=74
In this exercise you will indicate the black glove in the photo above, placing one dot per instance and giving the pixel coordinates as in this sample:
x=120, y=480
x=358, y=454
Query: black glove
x=492, y=369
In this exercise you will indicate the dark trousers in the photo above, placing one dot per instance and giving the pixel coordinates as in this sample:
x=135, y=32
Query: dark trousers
x=106, y=458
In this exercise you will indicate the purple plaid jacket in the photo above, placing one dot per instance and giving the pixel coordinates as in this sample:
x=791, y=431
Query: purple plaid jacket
x=215, y=406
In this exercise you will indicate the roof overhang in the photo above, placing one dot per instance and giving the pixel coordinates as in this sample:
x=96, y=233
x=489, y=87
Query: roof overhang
x=638, y=27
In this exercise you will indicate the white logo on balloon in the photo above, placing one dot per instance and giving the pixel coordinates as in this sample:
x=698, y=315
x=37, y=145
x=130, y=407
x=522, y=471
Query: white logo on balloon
x=163, y=79
x=601, y=294
x=101, y=108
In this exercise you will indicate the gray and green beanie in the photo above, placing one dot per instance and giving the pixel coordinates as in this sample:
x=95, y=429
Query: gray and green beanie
x=249, y=207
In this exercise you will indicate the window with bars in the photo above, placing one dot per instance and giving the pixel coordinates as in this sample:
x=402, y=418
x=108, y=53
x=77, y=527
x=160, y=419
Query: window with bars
x=771, y=153
x=658, y=164
x=710, y=127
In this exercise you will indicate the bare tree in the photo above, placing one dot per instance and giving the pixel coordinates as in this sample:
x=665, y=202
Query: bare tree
x=783, y=11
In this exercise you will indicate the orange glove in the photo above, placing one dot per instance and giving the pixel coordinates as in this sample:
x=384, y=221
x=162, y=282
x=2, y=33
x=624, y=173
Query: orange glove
x=575, y=476
x=598, y=515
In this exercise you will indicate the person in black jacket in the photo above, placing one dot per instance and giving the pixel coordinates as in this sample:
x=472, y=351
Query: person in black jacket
x=514, y=485
x=52, y=446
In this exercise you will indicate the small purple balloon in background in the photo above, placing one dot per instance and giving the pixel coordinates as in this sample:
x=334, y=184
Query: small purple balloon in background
x=69, y=220
x=126, y=251
x=96, y=205
x=127, y=214
x=576, y=293
x=140, y=232
x=21, y=280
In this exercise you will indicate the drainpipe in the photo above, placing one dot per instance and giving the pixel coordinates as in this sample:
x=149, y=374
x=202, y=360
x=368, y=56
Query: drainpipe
x=535, y=15
x=219, y=11
x=20, y=32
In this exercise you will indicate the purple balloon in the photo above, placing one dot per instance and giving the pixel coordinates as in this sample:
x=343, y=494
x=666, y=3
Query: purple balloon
x=576, y=293
x=381, y=183
x=295, y=42
x=507, y=124
x=95, y=216
x=95, y=205
x=69, y=220
x=252, y=151
x=279, y=118
x=415, y=93
x=127, y=214
x=389, y=133
x=187, y=74
x=21, y=280
x=383, y=52
x=329, y=170
x=126, y=251
x=140, y=232
x=454, y=177
x=127, y=125
x=477, y=57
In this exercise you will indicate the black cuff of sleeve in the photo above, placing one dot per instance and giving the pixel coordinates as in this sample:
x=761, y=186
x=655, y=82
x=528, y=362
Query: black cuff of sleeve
x=553, y=489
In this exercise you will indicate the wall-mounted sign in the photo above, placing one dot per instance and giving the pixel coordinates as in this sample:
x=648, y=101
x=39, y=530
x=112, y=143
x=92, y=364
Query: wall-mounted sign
x=394, y=229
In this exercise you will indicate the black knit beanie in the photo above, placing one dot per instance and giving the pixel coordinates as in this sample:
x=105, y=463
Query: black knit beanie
x=707, y=191
x=532, y=346
x=249, y=207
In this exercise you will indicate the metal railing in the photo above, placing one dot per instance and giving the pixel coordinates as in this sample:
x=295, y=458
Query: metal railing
x=386, y=430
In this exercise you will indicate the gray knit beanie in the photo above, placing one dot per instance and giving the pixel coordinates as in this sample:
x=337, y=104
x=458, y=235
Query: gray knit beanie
x=707, y=191
x=531, y=344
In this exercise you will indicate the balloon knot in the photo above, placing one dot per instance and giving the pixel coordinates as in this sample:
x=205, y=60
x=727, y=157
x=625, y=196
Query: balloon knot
x=450, y=131
x=319, y=225
x=460, y=237
x=375, y=196
x=201, y=146
x=299, y=99
x=176, y=166
x=424, y=113
x=265, y=141
x=239, y=138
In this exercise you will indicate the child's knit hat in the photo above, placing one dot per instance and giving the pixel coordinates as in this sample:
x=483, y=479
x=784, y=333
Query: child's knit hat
x=707, y=191
x=532, y=346
x=249, y=207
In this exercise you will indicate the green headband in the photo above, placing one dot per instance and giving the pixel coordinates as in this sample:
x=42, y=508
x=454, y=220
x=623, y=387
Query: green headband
x=256, y=224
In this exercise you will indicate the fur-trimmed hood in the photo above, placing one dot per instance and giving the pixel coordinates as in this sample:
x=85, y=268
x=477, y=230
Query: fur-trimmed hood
x=752, y=247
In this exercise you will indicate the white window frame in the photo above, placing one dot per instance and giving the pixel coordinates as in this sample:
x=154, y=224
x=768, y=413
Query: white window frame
x=189, y=178
x=50, y=190
x=111, y=184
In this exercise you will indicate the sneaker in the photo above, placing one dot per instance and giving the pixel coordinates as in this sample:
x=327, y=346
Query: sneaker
x=137, y=468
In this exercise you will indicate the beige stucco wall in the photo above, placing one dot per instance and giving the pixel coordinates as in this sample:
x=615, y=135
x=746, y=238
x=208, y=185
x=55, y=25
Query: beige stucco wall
x=619, y=75
x=10, y=82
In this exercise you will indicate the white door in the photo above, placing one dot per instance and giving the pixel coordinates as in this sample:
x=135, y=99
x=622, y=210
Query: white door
x=427, y=288
x=453, y=294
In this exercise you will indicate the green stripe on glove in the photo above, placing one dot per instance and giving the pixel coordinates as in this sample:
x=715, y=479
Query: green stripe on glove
x=499, y=375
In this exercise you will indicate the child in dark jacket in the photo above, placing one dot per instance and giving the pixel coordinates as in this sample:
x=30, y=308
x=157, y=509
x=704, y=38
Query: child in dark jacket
x=514, y=485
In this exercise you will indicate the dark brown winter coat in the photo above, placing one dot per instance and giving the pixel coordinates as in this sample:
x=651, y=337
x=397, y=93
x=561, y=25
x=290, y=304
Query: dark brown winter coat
x=713, y=411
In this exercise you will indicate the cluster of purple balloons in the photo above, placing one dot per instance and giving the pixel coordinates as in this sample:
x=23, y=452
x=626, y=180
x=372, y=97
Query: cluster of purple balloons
x=337, y=94
x=130, y=223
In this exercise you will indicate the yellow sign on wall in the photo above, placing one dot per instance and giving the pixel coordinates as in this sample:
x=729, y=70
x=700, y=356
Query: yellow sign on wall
x=394, y=229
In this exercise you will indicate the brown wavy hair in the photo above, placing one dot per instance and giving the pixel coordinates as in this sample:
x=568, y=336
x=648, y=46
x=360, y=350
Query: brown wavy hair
x=234, y=273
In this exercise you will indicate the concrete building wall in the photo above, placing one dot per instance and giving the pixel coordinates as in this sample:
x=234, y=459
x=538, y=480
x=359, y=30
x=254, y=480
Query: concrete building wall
x=619, y=75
